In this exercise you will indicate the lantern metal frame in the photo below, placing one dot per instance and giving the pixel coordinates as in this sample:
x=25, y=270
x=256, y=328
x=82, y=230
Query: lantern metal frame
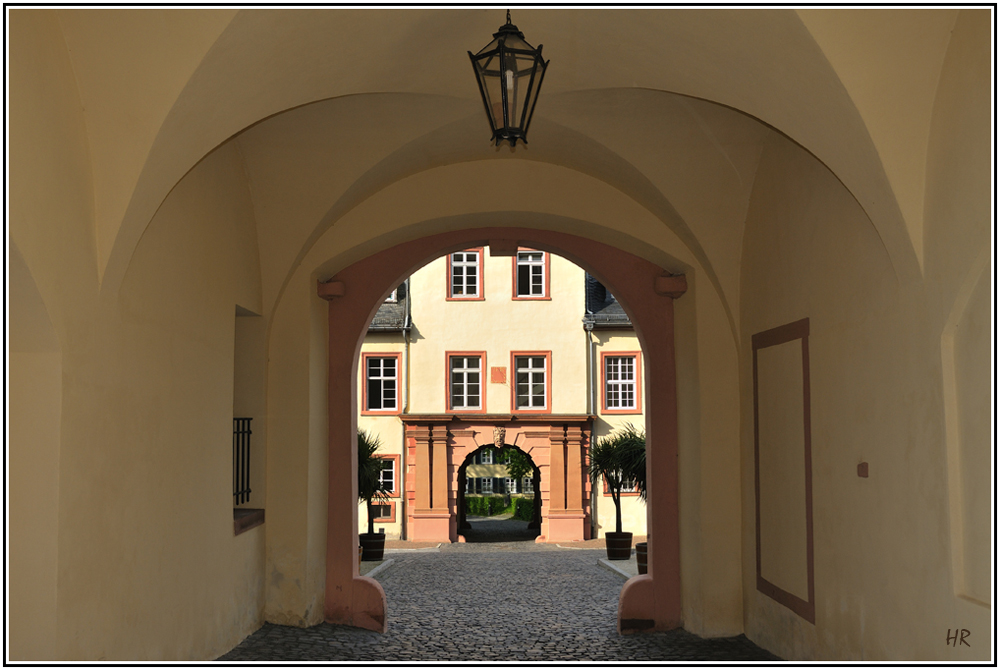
x=511, y=131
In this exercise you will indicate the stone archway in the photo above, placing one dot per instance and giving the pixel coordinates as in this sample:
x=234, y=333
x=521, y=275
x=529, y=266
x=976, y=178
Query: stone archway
x=645, y=290
x=461, y=509
x=437, y=446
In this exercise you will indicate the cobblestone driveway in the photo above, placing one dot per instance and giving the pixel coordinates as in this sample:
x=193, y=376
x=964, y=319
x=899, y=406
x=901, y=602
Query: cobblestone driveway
x=508, y=601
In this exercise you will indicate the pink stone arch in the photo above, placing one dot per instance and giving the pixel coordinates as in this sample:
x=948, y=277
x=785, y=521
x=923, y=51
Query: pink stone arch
x=645, y=290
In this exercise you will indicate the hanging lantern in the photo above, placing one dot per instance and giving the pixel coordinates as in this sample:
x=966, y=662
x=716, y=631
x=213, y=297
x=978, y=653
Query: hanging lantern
x=509, y=72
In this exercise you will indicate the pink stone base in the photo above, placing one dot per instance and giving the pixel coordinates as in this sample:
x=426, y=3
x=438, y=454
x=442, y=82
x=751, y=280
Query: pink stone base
x=637, y=608
x=368, y=606
x=566, y=527
x=432, y=527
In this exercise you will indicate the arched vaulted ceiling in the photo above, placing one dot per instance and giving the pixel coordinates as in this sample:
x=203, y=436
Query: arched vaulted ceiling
x=162, y=88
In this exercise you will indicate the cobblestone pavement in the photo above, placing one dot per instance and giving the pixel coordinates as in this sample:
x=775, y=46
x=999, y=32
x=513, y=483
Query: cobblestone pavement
x=513, y=600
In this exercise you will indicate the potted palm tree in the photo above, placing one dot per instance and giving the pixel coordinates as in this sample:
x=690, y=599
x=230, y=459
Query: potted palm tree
x=634, y=467
x=372, y=491
x=620, y=460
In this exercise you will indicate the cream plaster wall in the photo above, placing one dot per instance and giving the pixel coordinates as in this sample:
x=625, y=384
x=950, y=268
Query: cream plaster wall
x=782, y=460
x=144, y=466
x=960, y=265
x=882, y=561
x=130, y=66
x=890, y=63
x=389, y=429
x=726, y=57
x=498, y=325
x=35, y=413
x=633, y=509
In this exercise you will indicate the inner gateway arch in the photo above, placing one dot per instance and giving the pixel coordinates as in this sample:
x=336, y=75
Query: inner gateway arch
x=186, y=184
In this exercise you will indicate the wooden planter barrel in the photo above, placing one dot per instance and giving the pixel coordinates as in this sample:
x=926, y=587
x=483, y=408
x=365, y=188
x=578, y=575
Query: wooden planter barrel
x=640, y=557
x=372, y=546
x=619, y=546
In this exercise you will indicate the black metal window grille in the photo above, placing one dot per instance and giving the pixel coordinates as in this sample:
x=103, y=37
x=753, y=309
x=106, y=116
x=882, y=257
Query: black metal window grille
x=241, y=460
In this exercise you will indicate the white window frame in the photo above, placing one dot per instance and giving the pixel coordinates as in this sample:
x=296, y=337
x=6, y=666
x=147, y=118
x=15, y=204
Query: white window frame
x=536, y=271
x=386, y=403
x=464, y=269
x=465, y=371
x=620, y=382
x=528, y=485
x=391, y=469
x=487, y=487
x=485, y=457
x=526, y=364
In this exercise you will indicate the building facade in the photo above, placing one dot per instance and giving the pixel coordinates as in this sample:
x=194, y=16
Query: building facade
x=481, y=350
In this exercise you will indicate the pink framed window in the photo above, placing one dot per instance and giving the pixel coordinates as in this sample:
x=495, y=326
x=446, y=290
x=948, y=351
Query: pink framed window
x=620, y=382
x=531, y=275
x=532, y=387
x=464, y=388
x=381, y=383
x=465, y=275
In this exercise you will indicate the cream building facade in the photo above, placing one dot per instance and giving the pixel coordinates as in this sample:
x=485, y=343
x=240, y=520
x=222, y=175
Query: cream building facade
x=450, y=345
x=206, y=209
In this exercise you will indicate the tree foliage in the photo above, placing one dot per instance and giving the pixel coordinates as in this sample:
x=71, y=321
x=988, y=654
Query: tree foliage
x=519, y=466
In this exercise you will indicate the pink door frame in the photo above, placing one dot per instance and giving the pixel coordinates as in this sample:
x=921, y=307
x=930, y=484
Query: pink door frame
x=647, y=602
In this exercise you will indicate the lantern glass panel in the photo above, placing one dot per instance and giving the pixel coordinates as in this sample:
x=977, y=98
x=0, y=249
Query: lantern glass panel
x=525, y=67
x=494, y=96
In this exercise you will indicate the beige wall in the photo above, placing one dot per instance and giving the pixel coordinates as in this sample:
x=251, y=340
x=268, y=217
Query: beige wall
x=498, y=325
x=389, y=430
x=35, y=411
x=144, y=463
x=872, y=592
x=782, y=467
x=633, y=509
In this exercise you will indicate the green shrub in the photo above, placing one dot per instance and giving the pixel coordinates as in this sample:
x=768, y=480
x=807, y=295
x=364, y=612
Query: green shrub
x=484, y=505
x=524, y=508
